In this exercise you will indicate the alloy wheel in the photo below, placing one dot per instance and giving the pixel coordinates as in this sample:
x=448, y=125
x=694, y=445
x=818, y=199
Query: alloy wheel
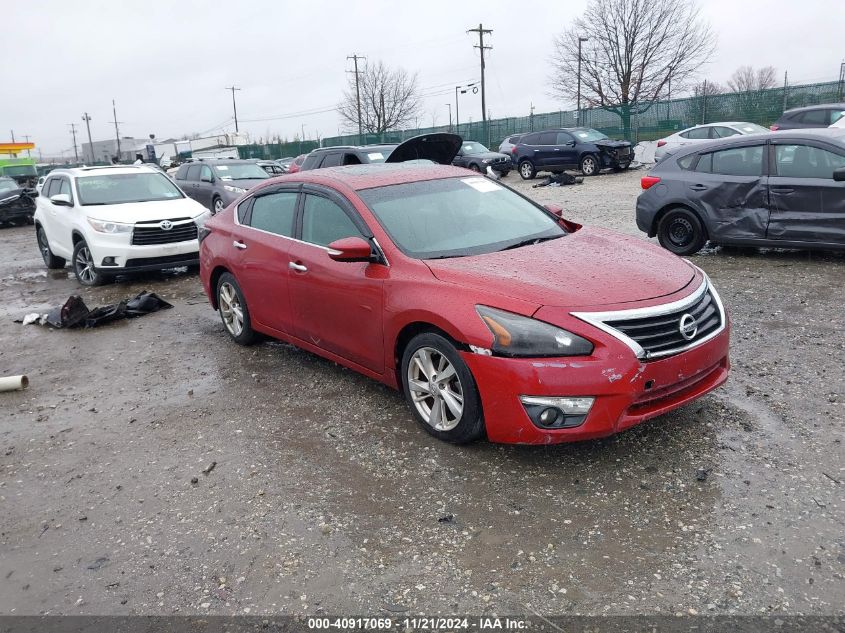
x=525, y=170
x=43, y=246
x=218, y=205
x=84, y=265
x=231, y=309
x=435, y=389
x=588, y=166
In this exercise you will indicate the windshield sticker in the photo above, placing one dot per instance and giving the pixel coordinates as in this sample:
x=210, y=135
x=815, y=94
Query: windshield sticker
x=481, y=184
x=375, y=156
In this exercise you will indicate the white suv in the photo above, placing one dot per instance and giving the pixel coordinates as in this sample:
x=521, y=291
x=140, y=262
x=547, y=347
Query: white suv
x=110, y=220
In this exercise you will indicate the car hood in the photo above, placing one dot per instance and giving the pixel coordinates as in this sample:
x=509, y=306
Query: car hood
x=440, y=148
x=490, y=155
x=132, y=212
x=243, y=183
x=611, y=144
x=590, y=267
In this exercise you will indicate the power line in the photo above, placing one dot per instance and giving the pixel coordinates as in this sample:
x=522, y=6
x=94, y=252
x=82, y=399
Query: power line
x=234, y=105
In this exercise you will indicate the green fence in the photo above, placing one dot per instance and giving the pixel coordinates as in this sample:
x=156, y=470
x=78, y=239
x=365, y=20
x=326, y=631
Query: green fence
x=637, y=122
x=274, y=151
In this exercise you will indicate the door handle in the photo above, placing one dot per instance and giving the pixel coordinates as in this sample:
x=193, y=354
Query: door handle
x=557, y=149
x=239, y=245
x=783, y=189
x=698, y=187
x=298, y=267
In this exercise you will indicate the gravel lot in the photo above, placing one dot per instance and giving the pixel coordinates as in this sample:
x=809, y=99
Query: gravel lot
x=327, y=498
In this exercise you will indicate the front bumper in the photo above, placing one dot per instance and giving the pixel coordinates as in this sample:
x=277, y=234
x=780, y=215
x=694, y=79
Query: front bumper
x=627, y=390
x=114, y=253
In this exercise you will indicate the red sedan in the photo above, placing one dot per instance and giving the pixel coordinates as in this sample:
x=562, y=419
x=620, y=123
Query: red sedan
x=492, y=314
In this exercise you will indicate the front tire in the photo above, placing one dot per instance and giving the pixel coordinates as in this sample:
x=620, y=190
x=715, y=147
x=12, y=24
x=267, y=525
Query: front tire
x=589, y=165
x=527, y=170
x=51, y=261
x=84, y=268
x=217, y=205
x=681, y=232
x=233, y=310
x=475, y=167
x=440, y=390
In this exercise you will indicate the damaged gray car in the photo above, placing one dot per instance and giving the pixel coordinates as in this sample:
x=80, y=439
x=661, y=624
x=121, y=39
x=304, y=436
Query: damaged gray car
x=781, y=189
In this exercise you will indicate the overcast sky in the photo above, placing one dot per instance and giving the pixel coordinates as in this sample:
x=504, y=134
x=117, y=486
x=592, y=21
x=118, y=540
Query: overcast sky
x=167, y=63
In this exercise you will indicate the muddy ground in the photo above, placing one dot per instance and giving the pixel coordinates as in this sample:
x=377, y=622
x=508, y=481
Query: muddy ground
x=327, y=498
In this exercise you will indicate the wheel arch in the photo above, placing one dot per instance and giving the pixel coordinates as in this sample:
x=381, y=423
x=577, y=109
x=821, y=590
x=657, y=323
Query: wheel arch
x=407, y=333
x=213, y=280
x=76, y=237
x=677, y=205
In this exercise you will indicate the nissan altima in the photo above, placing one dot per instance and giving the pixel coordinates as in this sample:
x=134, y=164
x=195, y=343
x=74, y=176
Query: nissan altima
x=493, y=315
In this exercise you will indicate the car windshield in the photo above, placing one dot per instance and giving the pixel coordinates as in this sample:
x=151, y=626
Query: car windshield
x=123, y=188
x=7, y=184
x=240, y=171
x=377, y=154
x=750, y=128
x=454, y=217
x=473, y=148
x=588, y=135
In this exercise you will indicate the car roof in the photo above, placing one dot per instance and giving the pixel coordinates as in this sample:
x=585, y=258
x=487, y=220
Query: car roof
x=823, y=134
x=360, y=177
x=318, y=150
x=817, y=106
x=82, y=172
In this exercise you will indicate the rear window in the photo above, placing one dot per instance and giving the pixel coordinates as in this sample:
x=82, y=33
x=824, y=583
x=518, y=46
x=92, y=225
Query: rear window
x=697, y=133
x=816, y=117
x=686, y=162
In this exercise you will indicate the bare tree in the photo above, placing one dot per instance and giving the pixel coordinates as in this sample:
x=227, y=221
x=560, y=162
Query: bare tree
x=634, y=49
x=390, y=98
x=746, y=79
x=708, y=88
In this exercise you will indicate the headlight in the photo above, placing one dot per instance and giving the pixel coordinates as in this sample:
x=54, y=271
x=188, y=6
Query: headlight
x=486, y=160
x=515, y=335
x=104, y=226
x=234, y=189
x=202, y=218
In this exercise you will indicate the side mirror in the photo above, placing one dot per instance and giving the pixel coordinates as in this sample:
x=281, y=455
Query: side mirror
x=839, y=174
x=566, y=224
x=350, y=249
x=553, y=208
x=61, y=200
x=206, y=178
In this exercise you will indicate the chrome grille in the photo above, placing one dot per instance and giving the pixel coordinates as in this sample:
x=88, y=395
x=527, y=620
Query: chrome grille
x=149, y=233
x=664, y=330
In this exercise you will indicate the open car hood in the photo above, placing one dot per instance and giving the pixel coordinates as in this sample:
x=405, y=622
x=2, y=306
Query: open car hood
x=440, y=148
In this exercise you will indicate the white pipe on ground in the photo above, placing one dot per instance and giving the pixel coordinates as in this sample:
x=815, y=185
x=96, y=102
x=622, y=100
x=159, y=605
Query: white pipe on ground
x=13, y=383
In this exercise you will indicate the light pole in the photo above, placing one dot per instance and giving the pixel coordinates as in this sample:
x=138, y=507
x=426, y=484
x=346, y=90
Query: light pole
x=581, y=40
x=449, y=105
x=87, y=120
x=463, y=91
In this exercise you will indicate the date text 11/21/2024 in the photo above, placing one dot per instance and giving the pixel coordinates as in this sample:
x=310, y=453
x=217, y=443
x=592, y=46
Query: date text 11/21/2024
x=418, y=623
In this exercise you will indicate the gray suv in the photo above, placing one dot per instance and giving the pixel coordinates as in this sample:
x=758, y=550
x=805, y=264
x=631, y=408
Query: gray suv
x=216, y=183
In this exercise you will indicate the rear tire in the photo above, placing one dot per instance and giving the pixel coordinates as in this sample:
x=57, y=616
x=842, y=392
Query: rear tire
x=51, y=261
x=233, y=310
x=527, y=170
x=217, y=205
x=681, y=232
x=441, y=390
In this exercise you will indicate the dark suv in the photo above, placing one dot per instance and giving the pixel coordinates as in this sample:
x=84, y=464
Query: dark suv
x=811, y=116
x=216, y=183
x=346, y=155
x=569, y=148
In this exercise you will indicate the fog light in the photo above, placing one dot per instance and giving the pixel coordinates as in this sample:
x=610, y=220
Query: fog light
x=557, y=412
x=109, y=261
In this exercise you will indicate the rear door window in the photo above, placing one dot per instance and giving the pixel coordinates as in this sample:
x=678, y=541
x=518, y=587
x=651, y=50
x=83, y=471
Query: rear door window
x=816, y=117
x=736, y=161
x=274, y=213
x=332, y=159
x=806, y=161
x=548, y=138
x=323, y=222
x=697, y=133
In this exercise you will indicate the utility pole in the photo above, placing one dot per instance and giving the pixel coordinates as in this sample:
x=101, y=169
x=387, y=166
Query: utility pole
x=13, y=135
x=234, y=105
x=116, y=130
x=87, y=120
x=531, y=117
x=841, y=80
x=355, y=57
x=581, y=40
x=481, y=48
x=449, y=105
x=26, y=138
x=785, y=88
x=73, y=131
